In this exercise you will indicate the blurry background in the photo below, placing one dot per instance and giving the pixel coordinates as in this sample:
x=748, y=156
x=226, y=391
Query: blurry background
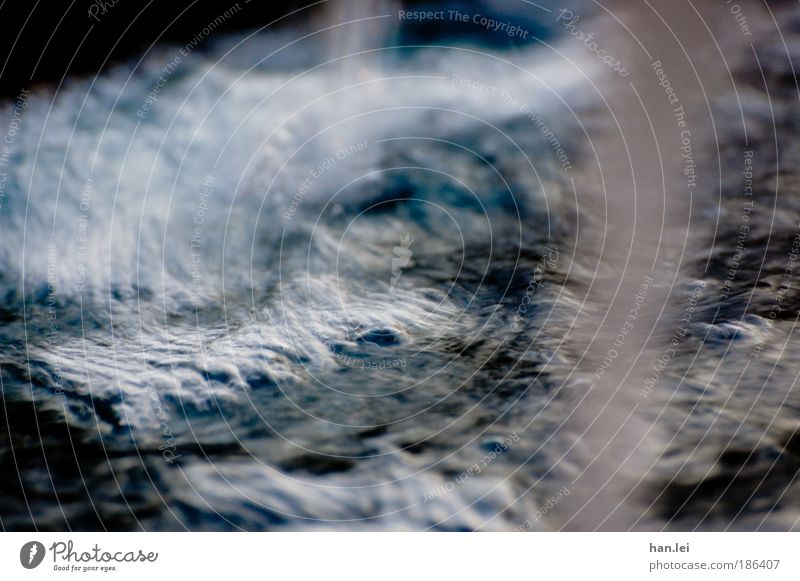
x=352, y=271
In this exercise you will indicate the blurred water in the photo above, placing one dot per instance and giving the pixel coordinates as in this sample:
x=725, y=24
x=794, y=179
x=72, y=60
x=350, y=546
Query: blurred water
x=207, y=293
x=325, y=291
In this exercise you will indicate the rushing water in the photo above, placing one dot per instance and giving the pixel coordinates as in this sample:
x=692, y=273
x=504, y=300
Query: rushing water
x=320, y=284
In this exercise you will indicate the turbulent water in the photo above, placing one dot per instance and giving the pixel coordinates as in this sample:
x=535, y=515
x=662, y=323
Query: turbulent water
x=265, y=290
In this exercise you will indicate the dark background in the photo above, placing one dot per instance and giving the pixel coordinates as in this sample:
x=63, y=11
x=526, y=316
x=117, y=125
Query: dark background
x=43, y=40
